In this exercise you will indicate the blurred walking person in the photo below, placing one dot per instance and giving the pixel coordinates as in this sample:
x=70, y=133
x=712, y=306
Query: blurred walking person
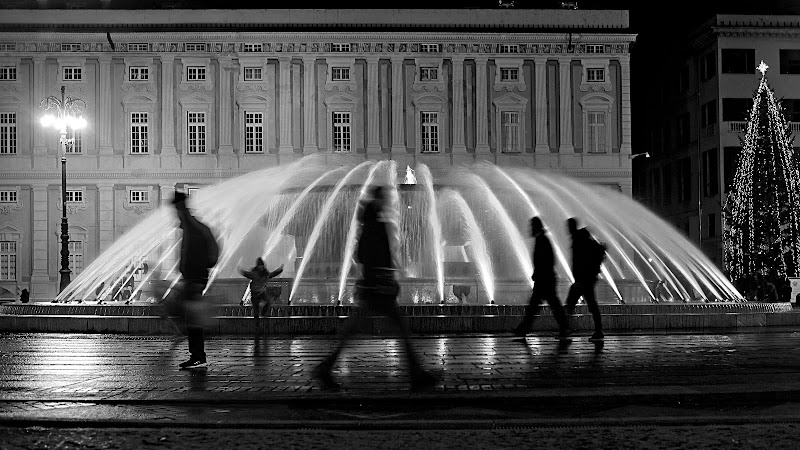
x=377, y=289
x=199, y=253
x=544, y=283
x=259, y=290
x=587, y=258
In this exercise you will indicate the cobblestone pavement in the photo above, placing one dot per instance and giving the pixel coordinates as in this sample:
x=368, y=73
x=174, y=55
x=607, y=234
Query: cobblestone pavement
x=634, y=391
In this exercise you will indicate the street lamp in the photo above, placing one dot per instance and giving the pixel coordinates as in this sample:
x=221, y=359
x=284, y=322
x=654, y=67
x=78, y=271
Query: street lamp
x=67, y=114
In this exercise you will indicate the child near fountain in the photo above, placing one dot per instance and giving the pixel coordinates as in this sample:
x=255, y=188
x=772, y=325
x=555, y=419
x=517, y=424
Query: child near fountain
x=259, y=290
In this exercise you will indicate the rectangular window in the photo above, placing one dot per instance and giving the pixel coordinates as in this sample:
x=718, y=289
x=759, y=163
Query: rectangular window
x=509, y=74
x=595, y=48
x=139, y=133
x=340, y=74
x=428, y=48
x=8, y=196
x=252, y=48
x=70, y=47
x=7, y=47
x=72, y=73
x=711, y=227
x=428, y=73
x=8, y=260
x=595, y=75
x=8, y=73
x=736, y=109
x=139, y=73
x=195, y=47
x=76, y=256
x=738, y=60
x=74, y=196
x=252, y=74
x=790, y=61
x=140, y=196
x=509, y=48
x=196, y=132
x=340, y=47
x=75, y=145
x=341, y=132
x=683, y=129
x=510, y=124
x=791, y=109
x=731, y=156
x=596, y=140
x=253, y=132
x=139, y=47
x=708, y=66
x=708, y=114
x=686, y=181
x=429, y=122
x=710, y=173
x=8, y=133
x=195, y=73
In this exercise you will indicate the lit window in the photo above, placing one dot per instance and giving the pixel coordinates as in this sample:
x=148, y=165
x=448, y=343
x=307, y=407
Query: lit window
x=596, y=141
x=75, y=146
x=8, y=133
x=341, y=131
x=74, y=196
x=595, y=75
x=509, y=48
x=138, y=47
x=194, y=47
x=195, y=73
x=196, y=132
x=595, y=48
x=70, y=47
x=140, y=196
x=7, y=47
x=340, y=74
x=509, y=74
x=510, y=125
x=8, y=196
x=139, y=73
x=252, y=74
x=254, y=132
x=76, y=257
x=139, y=133
x=72, y=73
x=8, y=73
x=429, y=122
x=8, y=260
x=250, y=48
x=340, y=47
x=428, y=73
x=428, y=48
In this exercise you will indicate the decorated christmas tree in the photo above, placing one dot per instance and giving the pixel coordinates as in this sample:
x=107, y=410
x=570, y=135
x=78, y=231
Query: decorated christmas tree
x=762, y=233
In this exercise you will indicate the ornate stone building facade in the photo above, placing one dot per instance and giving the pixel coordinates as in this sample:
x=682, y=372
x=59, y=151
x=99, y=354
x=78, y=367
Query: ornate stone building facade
x=191, y=97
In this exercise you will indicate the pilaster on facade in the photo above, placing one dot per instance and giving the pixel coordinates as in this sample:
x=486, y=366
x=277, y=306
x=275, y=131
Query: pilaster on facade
x=285, y=98
x=540, y=108
x=168, y=149
x=225, y=112
x=458, y=105
x=565, y=106
x=625, y=101
x=310, y=105
x=481, y=106
x=373, y=111
x=39, y=87
x=398, y=100
x=105, y=201
x=40, y=276
x=104, y=107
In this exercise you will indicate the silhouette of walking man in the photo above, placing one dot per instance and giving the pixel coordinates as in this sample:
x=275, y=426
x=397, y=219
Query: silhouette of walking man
x=199, y=252
x=544, y=287
x=587, y=257
x=376, y=292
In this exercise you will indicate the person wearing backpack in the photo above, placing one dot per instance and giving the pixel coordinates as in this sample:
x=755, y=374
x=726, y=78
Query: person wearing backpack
x=587, y=258
x=199, y=253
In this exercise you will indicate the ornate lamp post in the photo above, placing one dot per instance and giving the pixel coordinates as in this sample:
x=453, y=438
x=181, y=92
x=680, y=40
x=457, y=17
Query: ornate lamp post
x=67, y=114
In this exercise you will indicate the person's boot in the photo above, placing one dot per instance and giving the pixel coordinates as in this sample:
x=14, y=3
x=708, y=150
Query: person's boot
x=597, y=336
x=322, y=375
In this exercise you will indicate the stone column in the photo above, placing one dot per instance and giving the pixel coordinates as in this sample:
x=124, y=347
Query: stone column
x=168, y=150
x=373, y=110
x=225, y=109
x=625, y=66
x=310, y=105
x=285, y=99
x=104, y=108
x=105, y=203
x=481, y=105
x=458, y=105
x=540, y=109
x=40, y=278
x=398, y=100
x=39, y=93
x=565, y=106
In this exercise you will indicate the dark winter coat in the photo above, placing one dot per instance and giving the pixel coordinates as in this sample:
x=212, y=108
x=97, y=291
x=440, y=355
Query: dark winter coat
x=374, y=248
x=259, y=275
x=196, y=254
x=585, y=263
x=543, y=260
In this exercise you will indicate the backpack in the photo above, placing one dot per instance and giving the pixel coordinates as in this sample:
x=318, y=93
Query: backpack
x=598, y=253
x=212, y=246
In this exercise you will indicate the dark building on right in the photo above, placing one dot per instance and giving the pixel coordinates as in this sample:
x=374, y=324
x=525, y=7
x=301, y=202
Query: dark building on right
x=692, y=124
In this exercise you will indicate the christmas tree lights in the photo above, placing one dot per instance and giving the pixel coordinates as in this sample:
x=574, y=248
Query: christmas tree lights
x=762, y=232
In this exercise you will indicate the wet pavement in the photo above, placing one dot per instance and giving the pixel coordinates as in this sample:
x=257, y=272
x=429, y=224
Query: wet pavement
x=89, y=388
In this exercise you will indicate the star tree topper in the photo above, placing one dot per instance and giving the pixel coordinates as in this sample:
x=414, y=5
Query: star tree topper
x=762, y=67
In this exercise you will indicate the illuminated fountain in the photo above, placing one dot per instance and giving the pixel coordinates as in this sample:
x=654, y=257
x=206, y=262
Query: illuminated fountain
x=464, y=236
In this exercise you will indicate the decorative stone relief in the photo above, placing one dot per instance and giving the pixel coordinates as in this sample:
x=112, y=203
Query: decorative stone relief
x=139, y=207
x=340, y=85
x=595, y=86
x=74, y=207
x=8, y=207
x=148, y=85
x=509, y=85
x=428, y=64
x=263, y=84
x=198, y=85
